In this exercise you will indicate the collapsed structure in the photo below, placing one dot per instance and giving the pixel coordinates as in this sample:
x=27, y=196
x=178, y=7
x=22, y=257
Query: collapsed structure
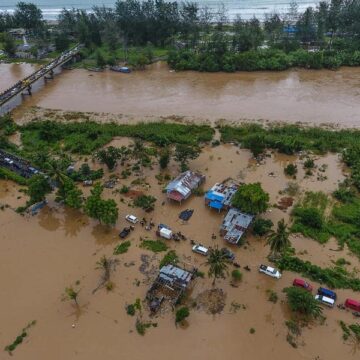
x=182, y=186
x=235, y=225
x=220, y=195
x=170, y=284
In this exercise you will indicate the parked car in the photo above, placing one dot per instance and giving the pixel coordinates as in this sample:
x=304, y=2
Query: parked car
x=352, y=304
x=132, y=218
x=326, y=292
x=325, y=300
x=202, y=250
x=268, y=270
x=124, y=232
x=303, y=284
x=228, y=253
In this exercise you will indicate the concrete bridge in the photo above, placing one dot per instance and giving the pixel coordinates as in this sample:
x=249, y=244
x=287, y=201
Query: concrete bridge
x=12, y=97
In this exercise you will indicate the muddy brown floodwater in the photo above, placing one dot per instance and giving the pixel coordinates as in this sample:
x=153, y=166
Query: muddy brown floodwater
x=43, y=254
x=318, y=97
x=11, y=73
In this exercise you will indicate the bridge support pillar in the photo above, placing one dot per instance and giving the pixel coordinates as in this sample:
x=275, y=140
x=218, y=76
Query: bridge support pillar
x=29, y=90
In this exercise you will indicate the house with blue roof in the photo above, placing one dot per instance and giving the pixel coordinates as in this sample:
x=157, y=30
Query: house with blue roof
x=220, y=195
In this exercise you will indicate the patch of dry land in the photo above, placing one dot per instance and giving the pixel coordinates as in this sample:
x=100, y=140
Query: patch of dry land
x=41, y=255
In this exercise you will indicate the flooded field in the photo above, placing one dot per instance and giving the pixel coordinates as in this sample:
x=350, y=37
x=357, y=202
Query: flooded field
x=311, y=96
x=43, y=254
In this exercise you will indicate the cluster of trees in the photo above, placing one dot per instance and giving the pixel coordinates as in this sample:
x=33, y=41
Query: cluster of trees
x=26, y=15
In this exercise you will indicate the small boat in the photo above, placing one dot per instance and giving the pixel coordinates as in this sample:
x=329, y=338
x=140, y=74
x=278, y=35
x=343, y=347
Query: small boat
x=122, y=69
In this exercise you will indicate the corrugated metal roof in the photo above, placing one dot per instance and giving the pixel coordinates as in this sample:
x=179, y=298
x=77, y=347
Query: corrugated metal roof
x=185, y=183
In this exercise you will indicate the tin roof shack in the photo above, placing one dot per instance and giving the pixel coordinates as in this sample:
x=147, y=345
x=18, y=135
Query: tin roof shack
x=182, y=187
x=220, y=195
x=170, y=284
x=235, y=225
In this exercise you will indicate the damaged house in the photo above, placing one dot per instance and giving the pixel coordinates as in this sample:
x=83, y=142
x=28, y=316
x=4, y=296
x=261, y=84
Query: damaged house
x=235, y=225
x=170, y=284
x=182, y=187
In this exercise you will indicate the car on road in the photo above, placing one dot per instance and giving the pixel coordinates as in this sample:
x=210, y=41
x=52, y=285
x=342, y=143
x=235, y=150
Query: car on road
x=302, y=284
x=270, y=271
x=132, y=218
x=199, y=249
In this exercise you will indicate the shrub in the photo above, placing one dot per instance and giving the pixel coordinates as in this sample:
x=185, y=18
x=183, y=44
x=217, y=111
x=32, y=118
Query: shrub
x=169, y=258
x=122, y=248
x=146, y=202
x=262, y=226
x=130, y=309
x=154, y=245
x=251, y=198
x=236, y=274
x=309, y=164
x=309, y=217
x=290, y=170
x=182, y=314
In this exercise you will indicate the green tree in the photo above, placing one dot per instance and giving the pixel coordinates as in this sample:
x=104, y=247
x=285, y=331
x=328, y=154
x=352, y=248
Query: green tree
x=262, y=226
x=302, y=302
x=109, y=156
x=9, y=45
x=28, y=16
x=100, y=60
x=182, y=314
x=70, y=194
x=38, y=188
x=217, y=261
x=105, y=211
x=278, y=240
x=62, y=42
x=251, y=198
x=164, y=158
x=184, y=153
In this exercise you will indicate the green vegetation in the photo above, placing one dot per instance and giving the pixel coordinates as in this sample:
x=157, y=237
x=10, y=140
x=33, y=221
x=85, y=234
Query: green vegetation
x=335, y=277
x=169, y=258
x=278, y=240
x=85, y=173
x=86, y=137
x=251, y=198
x=236, y=275
x=154, y=245
x=262, y=226
x=19, y=339
x=146, y=202
x=72, y=294
x=164, y=158
x=122, y=248
x=290, y=170
x=38, y=188
x=302, y=302
x=131, y=308
x=217, y=261
x=10, y=175
x=69, y=194
x=184, y=153
x=181, y=314
x=289, y=139
x=350, y=332
x=273, y=296
x=142, y=326
x=110, y=155
x=105, y=211
x=252, y=331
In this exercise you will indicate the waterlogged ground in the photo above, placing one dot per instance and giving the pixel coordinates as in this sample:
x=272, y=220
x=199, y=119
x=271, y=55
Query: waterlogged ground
x=41, y=255
x=311, y=96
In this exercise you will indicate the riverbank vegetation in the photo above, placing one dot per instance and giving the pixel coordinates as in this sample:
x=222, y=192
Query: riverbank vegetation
x=199, y=38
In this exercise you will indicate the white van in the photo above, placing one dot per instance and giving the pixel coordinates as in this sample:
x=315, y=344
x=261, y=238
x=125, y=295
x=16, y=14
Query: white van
x=202, y=250
x=325, y=300
x=132, y=218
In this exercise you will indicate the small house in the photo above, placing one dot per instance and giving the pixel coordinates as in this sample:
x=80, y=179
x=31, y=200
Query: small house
x=17, y=33
x=170, y=284
x=220, y=195
x=235, y=225
x=182, y=187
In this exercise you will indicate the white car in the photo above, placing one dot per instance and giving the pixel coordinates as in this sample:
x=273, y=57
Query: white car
x=268, y=270
x=202, y=250
x=325, y=300
x=132, y=218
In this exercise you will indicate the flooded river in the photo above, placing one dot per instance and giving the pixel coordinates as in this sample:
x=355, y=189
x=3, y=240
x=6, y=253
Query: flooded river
x=295, y=95
x=11, y=73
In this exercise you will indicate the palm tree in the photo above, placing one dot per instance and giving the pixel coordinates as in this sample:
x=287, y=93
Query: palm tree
x=278, y=240
x=138, y=152
x=217, y=261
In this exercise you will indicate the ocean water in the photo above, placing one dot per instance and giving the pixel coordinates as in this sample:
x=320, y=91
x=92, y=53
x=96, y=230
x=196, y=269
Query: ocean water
x=245, y=8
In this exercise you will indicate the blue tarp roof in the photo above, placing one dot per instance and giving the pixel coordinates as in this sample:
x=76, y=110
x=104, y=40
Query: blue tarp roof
x=214, y=197
x=216, y=205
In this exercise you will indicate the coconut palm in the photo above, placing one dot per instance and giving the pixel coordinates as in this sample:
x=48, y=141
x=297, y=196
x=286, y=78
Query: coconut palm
x=139, y=152
x=218, y=262
x=278, y=240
